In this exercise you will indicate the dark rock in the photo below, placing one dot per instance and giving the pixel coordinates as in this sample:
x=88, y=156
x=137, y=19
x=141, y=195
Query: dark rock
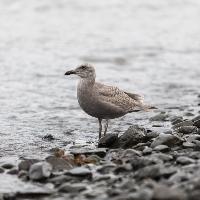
x=155, y=172
x=80, y=171
x=152, y=134
x=13, y=171
x=140, y=162
x=162, y=192
x=159, y=117
x=187, y=129
x=161, y=156
x=23, y=175
x=109, y=141
x=101, y=152
x=123, y=168
x=48, y=137
x=197, y=123
x=147, y=150
x=184, y=123
x=7, y=166
x=59, y=164
x=1, y=170
x=106, y=168
x=183, y=160
x=161, y=148
x=176, y=120
x=196, y=118
x=132, y=136
x=26, y=164
x=58, y=180
x=72, y=188
x=40, y=170
x=166, y=139
x=188, y=145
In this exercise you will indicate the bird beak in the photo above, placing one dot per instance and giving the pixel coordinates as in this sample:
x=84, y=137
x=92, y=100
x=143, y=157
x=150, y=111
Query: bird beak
x=70, y=72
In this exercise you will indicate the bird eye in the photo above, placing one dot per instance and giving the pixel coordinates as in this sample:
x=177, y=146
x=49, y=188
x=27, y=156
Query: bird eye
x=83, y=67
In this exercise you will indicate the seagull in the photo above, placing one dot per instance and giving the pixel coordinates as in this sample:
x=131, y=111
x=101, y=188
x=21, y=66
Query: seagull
x=102, y=101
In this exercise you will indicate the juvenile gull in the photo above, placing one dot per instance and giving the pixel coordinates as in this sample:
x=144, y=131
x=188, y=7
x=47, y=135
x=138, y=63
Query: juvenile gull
x=102, y=101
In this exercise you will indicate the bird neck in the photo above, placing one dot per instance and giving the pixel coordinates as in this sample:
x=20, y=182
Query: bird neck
x=87, y=82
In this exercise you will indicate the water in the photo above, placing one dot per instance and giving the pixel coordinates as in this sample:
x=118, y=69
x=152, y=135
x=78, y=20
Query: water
x=149, y=46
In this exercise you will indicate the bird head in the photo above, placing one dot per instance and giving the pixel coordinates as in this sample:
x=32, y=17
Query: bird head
x=84, y=71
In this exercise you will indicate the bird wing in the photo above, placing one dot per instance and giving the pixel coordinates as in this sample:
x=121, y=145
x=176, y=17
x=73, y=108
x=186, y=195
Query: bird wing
x=117, y=97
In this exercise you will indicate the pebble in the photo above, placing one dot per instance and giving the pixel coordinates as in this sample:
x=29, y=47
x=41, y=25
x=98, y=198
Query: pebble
x=59, y=164
x=40, y=170
x=187, y=129
x=147, y=150
x=183, y=160
x=161, y=148
x=80, y=171
x=183, y=123
x=13, y=171
x=166, y=139
x=26, y=164
x=109, y=141
x=159, y=117
x=72, y=188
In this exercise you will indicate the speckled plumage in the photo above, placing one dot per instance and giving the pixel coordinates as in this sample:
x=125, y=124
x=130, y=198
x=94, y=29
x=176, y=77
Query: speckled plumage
x=102, y=101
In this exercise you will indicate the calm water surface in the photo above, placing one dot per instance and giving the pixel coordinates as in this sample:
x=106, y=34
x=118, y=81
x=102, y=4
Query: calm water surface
x=149, y=46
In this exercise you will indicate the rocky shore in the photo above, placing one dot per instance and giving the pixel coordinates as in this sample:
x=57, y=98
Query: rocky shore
x=140, y=164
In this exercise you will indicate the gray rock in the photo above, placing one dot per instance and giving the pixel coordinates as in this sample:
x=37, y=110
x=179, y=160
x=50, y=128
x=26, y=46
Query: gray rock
x=197, y=123
x=196, y=118
x=109, y=141
x=23, y=175
x=13, y=171
x=1, y=170
x=187, y=129
x=72, y=188
x=159, y=117
x=166, y=139
x=178, y=177
x=183, y=160
x=176, y=120
x=132, y=136
x=59, y=164
x=161, y=148
x=162, y=192
x=26, y=164
x=155, y=172
x=80, y=171
x=162, y=156
x=147, y=150
x=40, y=170
x=101, y=152
x=184, y=123
x=106, y=168
x=58, y=180
x=188, y=145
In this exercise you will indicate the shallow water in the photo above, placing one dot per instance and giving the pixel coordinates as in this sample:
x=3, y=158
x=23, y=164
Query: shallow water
x=149, y=47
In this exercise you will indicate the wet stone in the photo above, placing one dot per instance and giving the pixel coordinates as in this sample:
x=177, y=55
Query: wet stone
x=26, y=164
x=40, y=170
x=147, y=150
x=176, y=120
x=196, y=118
x=132, y=136
x=187, y=129
x=72, y=188
x=197, y=123
x=188, y=145
x=184, y=123
x=7, y=166
x=48, y=137
x=109, y=141
x=162, y=192
x=166, y=139
x=162, y=148
x=59, y=164
x=58, y=180
x=2, y=170
x=101, y=152
x=13, y=171
x=23, y=175
x=80, y=171
x=159, y=117
x=183, y=160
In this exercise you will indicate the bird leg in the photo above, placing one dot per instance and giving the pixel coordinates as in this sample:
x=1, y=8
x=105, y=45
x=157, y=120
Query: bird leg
x=100, y=127
x=106, y=127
